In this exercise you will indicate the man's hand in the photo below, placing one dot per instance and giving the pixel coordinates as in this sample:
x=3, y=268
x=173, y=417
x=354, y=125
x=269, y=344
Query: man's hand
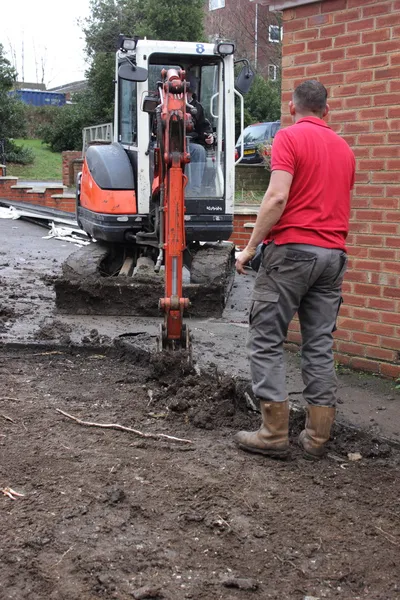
x=243, y=258
x=209, y=139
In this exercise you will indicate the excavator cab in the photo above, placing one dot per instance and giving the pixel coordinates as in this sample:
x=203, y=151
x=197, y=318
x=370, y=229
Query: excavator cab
x=116, y=192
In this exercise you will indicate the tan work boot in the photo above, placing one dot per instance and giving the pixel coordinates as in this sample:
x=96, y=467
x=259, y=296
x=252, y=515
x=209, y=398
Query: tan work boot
x=318, y=430
x=272, y=439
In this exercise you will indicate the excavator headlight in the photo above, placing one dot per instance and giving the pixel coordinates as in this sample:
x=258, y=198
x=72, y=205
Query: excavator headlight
x=224, y=48
x=127, y=44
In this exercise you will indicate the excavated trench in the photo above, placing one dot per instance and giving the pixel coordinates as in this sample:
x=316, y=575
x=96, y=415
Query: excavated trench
x=90, y=284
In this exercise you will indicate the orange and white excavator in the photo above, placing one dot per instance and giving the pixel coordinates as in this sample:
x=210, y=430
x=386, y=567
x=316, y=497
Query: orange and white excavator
x=137, y=194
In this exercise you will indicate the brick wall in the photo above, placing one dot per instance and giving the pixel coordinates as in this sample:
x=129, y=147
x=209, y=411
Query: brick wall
x=243, y=219
x=52, y=197
x=68, y=171
x=353, y=48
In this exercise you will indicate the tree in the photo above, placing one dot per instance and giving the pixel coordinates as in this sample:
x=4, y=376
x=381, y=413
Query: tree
x=12, y=114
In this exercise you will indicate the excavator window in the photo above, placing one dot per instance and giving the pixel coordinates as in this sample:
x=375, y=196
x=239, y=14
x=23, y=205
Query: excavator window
x=127, y=112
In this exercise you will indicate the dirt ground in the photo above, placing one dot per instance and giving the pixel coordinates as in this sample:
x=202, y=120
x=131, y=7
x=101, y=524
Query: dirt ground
x=109, y=514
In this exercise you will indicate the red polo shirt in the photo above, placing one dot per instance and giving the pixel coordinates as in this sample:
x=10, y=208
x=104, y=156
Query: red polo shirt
x=318, y=208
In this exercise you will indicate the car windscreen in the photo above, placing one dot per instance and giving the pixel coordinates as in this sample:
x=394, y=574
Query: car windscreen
x=254, y=134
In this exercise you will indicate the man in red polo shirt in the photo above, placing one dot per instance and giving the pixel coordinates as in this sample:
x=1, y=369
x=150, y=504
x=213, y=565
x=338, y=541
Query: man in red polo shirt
x=303, y=222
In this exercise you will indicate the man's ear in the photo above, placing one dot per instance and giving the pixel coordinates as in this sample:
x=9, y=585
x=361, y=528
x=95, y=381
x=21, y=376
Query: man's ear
x=325, y=111
x=292, y=108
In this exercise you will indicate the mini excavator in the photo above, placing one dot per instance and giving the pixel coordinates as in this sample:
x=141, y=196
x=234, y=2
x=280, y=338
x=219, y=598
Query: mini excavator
x=135, y=194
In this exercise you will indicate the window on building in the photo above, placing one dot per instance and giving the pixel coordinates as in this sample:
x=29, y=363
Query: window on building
x=275, y=33
x=214, y=4
x=272, y=72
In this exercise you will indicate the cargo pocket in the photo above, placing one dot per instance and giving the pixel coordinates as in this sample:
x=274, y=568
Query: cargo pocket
x=262, y=302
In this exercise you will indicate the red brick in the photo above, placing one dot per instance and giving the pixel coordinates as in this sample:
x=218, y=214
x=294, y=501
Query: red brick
x=306, y=59
x=379, y=35
x=295, y=72
x=319, y=69
x=360, y=25
x=371, y=62
x=352, y=324
x=391, y=267
x=371, y=165
x=380, y=329
x=364, y=50
x=348, y=40
x=305, y=34
x=384, y=228
x=388, y=342
x=360, y=151
x=380, y=126
x=344, y=90
x=393, y=318
x=294, y=48
x=333, y=30
x=386, y=152
x=390, y=370
x=366, y=338
x=318, y=20
x=393, y=242
x=382, y=253
x=347, y=15
x=295, y=25
x=322, y=44
x=380, y=353
x=374, y=88
x=394, y=112
x=308, y=10
x=372, y=139
x=341, y=116
x=365, y=314
x=369, y=215
x=376, y=9
x=389, y=73
x=350, y=348
x=387, y=46
x=390, y=177
x=367, y=289
x=333, y=5
x=367, y=265
x=388, y=20
x=385, y=99
x=395, y=59
x=361, y=76
x=382, y=304
x=393, y=164
x=360, y=127
x=336, y=54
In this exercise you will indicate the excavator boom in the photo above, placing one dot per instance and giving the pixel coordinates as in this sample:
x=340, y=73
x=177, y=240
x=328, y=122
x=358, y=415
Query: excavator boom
x=175, y=122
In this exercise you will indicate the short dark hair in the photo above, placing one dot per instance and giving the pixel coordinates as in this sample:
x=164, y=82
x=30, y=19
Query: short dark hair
x=310, y=96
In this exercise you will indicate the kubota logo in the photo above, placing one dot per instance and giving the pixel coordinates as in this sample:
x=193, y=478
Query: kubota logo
x=213, y=207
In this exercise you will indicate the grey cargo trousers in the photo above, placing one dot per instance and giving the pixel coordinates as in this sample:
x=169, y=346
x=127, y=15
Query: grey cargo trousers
x=306, y=279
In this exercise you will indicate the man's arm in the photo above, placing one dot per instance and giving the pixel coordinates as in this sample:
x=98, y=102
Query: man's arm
x=270, y=212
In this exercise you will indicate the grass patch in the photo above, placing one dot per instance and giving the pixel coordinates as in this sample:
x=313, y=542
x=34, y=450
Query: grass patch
x=46, y=167
x=248, y=197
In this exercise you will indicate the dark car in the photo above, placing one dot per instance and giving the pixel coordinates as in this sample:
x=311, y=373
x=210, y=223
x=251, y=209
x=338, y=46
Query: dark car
x=254, y=136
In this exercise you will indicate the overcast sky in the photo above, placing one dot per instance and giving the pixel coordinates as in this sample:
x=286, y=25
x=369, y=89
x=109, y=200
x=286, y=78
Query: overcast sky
x=45, y=30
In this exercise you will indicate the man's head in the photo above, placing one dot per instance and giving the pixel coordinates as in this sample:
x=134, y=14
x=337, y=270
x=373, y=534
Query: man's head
x=309, y=99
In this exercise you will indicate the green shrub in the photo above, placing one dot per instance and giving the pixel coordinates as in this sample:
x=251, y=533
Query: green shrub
x=65, y=133
x=20, y=155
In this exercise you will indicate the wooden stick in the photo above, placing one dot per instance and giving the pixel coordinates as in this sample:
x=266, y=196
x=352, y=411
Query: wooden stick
x=122, y=428
x=7, y=418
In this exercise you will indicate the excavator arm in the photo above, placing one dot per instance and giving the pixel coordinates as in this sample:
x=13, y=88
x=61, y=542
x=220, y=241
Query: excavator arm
x=174, y=123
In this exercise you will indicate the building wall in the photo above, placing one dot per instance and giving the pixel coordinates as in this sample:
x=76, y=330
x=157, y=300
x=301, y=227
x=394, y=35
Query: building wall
x=237, y=21
x=353, y=48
